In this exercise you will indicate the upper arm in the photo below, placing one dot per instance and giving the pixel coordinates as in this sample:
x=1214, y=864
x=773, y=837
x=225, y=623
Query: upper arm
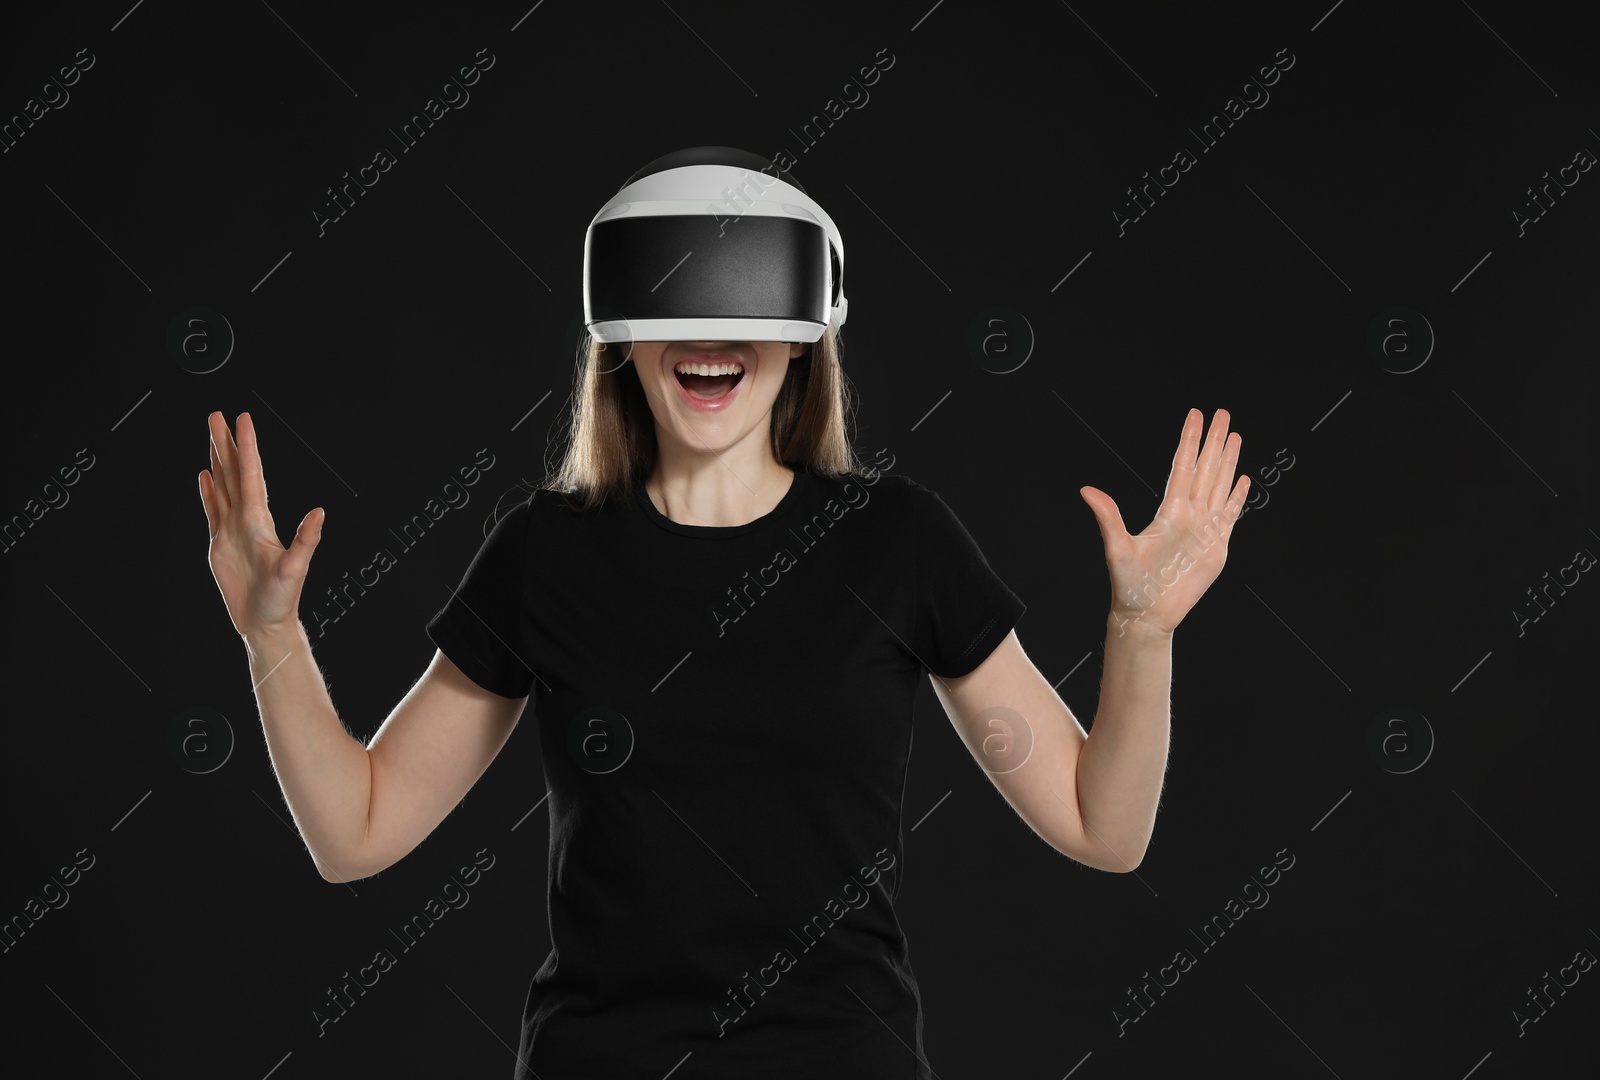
x=1027, y=741
x=429, y=752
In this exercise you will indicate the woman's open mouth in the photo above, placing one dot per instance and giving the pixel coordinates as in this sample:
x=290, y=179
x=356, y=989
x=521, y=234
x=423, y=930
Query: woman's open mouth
x=708, y=386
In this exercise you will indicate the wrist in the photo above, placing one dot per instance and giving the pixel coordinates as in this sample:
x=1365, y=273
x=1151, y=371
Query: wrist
x=1137, y=625
x=272, y=640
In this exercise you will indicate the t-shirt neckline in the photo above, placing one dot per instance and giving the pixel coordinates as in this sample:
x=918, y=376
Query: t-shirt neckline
x=797, y=485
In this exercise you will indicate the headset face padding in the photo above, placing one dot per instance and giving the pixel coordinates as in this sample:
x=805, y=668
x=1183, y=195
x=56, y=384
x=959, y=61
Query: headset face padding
x=712, y=244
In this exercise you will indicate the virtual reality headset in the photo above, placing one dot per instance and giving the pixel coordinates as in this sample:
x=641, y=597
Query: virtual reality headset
x=712, y=244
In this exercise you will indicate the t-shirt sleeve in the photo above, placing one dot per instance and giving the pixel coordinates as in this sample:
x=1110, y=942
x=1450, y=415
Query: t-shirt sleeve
x=482, y=626
x=964, y=610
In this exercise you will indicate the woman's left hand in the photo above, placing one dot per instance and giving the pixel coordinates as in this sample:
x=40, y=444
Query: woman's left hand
x=1157, y=576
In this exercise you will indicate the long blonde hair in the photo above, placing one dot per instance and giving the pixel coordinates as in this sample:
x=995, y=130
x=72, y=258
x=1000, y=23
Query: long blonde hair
x=611, y=444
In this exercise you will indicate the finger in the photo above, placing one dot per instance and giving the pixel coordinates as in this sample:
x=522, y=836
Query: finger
x=219, y=476
x=1235, y=505
x=1106, y=514
x=228, y=450
x=1210, y=457
x=1180, y=481
x=252, y=485
x=1230, y=460
x=206, y=501
x=297, y=560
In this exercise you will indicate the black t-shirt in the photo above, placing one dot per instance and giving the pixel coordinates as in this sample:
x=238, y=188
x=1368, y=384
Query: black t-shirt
x=725, y=716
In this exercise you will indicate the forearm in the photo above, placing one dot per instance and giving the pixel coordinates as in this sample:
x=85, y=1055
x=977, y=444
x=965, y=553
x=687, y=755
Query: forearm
x=324, y=772
x=1123, y=761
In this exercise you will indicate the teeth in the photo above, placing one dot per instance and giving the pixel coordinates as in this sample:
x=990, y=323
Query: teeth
x=708, y=369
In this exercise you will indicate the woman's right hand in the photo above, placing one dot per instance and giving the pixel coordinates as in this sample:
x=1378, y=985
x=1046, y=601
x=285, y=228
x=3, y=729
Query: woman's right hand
x=260, y=579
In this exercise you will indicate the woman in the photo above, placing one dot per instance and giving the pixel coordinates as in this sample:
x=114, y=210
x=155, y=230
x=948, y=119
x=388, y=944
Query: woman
x=726, y=615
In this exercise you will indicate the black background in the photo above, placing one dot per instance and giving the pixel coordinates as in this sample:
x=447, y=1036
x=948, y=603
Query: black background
x=1382, y=574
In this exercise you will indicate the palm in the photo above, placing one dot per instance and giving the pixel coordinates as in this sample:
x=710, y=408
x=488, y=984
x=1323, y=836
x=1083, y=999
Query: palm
x=1160, y=574
x=259, y=578
x=247, y=561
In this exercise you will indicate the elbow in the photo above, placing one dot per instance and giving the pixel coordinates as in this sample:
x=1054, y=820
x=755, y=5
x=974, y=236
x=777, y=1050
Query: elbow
x=1109, y=866
x=341, y=873
x=336, y=878
x=1123, y=859
x=1131, y=858
x=1088, y=846
x=1127, y=857
x=1095, y=857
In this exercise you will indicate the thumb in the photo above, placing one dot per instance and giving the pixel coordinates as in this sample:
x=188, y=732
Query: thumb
x=297, y=560
x=1105, y=511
